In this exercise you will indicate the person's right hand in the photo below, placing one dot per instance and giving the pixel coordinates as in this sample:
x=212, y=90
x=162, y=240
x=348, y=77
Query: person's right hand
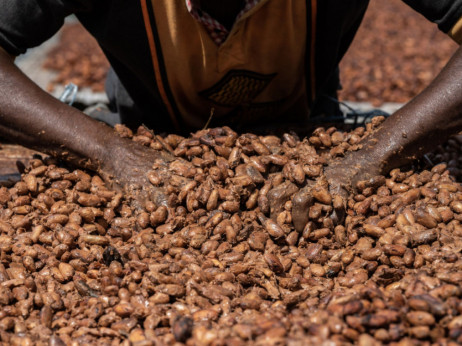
x=126, y=166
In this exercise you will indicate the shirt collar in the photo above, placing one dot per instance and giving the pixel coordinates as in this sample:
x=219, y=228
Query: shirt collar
x=215, y=29
x=193, y=5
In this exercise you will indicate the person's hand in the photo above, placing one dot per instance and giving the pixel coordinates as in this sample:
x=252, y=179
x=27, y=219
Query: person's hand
x=331, y=188
x=126, y=167
x=340, y=177
x=337, y=182
x=343, y=176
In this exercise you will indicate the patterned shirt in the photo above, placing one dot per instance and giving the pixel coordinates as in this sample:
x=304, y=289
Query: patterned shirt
x=215, y=29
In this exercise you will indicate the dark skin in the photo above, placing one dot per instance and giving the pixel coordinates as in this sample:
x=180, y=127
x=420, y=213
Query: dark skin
x=33, y=118
x=63, y=131
x=417, y=128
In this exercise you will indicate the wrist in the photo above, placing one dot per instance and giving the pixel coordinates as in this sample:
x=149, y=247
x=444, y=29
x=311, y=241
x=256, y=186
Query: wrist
x=110, y=148
x=95, y=146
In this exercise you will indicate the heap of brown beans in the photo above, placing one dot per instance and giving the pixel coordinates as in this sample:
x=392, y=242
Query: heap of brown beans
x=78, y=59
x=222, y=263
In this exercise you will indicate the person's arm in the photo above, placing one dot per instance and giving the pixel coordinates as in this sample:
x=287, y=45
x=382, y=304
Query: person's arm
x=33, y=118
x=417, y=128
x=425, y=122
x=36, y=119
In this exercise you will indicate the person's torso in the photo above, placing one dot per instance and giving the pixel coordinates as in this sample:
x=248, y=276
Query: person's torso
x=243, y=78
x=271, y=64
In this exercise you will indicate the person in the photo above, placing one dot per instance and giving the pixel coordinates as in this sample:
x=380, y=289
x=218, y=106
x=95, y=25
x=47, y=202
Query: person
x=249, y=61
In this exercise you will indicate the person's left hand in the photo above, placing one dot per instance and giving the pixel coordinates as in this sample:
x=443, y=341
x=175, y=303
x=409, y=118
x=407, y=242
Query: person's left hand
x=334, y=187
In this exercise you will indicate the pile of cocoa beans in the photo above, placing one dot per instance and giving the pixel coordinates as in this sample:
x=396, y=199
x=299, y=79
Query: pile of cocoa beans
x=223, y=260
x=78, y=59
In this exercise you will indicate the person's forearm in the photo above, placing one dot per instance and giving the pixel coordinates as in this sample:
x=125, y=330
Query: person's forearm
x=422, y=124
x=30, y=116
